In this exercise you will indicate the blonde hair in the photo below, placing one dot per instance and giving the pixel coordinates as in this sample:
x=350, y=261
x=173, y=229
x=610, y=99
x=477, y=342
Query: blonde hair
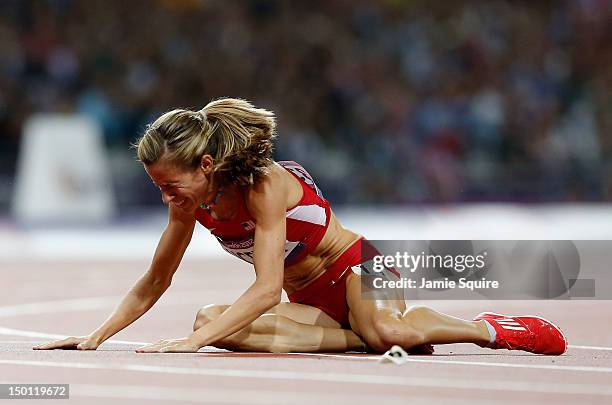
x=236, y=134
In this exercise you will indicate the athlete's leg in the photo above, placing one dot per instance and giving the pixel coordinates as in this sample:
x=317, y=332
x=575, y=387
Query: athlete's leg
x=383, y=323
x=288, y=327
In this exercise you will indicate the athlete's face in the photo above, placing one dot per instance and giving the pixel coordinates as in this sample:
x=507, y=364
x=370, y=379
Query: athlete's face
x=186, y=189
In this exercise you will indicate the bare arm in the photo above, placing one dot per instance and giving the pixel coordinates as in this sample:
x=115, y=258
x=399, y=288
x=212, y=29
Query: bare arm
x=148, y=289
x=267, y=205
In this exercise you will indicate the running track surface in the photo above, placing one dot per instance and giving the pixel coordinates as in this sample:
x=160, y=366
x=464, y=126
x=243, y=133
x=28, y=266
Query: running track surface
x=43, y=299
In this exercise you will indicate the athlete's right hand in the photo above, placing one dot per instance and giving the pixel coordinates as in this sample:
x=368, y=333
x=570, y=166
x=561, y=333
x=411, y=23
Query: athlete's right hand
x=71, y=343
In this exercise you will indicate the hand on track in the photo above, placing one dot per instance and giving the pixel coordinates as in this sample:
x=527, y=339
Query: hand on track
x=183, y=345
x=71, y=343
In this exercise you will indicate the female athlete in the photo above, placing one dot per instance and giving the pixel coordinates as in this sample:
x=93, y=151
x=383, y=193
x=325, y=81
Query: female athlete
x=214, y=166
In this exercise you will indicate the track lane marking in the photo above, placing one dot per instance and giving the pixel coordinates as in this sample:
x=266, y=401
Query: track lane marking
x=210, y=395
x=84, y=304
x=32, y=334
x=92, y=303
x=589, y=347
x=46, y=307
x=371, y=379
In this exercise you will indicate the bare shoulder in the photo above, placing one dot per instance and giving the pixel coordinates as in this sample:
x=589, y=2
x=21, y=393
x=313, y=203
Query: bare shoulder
x=269, y=193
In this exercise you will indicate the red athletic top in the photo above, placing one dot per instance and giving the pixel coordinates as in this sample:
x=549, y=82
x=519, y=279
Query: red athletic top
x=306, y=222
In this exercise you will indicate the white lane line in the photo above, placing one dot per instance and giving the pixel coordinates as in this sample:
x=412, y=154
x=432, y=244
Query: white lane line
x=50, y=307
x=589, y=347
x=371, y=379
x=215, y=396
x=31, y=334
x=82, y=304
x=518, y=365
x=86, y=304
x=236, y=373
x=184, y=394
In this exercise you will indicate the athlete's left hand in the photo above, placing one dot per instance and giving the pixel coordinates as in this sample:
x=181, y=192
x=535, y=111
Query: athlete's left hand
x=183, y=345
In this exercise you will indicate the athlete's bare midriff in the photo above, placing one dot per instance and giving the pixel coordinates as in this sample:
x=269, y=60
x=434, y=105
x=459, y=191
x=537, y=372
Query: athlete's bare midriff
x=336, y=240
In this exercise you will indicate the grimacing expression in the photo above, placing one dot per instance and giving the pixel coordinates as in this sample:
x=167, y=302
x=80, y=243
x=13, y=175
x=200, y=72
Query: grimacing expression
x=184, y=188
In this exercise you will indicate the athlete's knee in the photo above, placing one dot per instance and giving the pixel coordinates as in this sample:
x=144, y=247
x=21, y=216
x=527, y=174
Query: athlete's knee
x=272, y=324
x=207, y=314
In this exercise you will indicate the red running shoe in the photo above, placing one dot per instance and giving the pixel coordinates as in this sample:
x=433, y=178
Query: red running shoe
x=530, y=333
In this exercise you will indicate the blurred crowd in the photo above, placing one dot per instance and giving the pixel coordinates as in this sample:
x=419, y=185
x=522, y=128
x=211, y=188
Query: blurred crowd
x=390, y=101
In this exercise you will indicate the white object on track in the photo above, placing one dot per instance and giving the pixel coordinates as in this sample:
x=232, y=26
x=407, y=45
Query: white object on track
x=395, y=355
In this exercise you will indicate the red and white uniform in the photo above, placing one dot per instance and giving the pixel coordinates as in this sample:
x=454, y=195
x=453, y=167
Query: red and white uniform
x=306, y=222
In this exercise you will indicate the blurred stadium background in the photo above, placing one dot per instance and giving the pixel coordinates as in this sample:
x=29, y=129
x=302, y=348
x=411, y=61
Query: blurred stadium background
x=419, y=119
x=402, y=106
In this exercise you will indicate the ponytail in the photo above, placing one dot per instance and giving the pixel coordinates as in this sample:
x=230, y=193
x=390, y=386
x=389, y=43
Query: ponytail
x=236, y=134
